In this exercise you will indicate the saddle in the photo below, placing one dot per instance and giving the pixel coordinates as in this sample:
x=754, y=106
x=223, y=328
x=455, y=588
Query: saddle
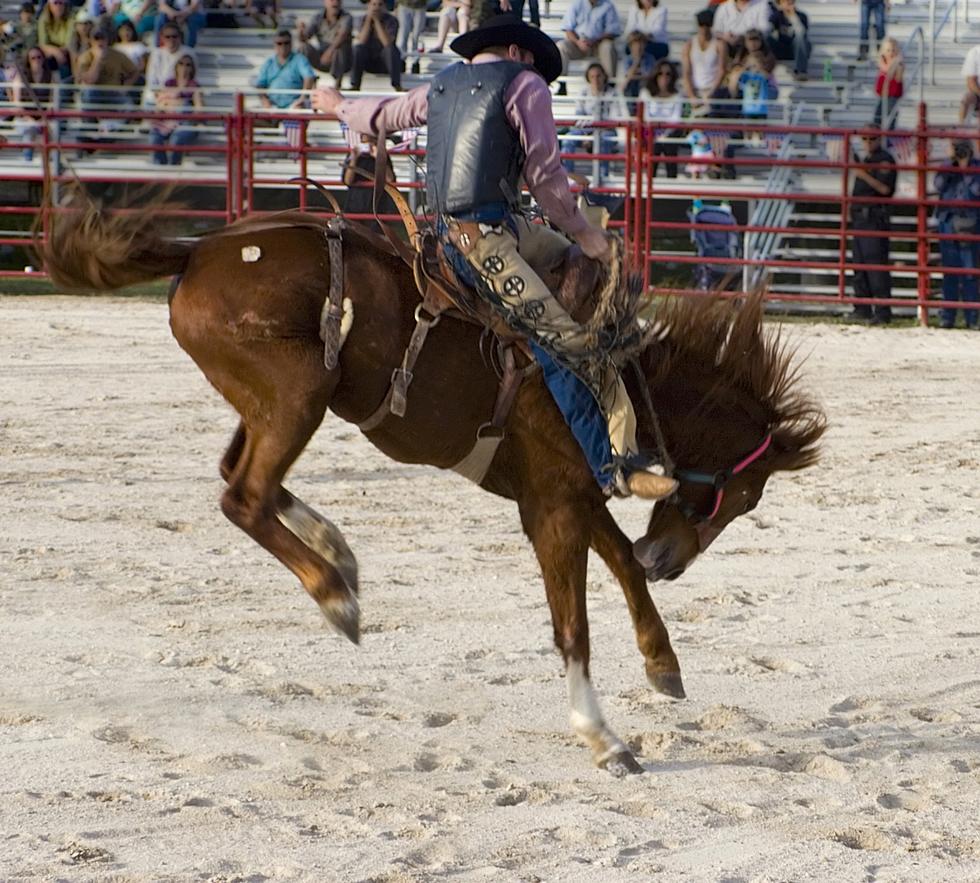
x=573, y=281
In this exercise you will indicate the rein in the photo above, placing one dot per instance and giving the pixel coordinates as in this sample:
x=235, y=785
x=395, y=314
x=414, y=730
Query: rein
x=718, y=480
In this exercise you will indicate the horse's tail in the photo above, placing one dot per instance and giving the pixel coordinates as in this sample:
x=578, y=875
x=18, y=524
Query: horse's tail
x=97, y=250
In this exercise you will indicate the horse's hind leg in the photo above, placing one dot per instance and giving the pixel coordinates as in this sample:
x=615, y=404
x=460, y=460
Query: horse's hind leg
x=230, y=460
x=560, y=535
x=614, y=547
x=308, y=544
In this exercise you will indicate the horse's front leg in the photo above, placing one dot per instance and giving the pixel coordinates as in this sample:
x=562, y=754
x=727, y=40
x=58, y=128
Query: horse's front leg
x=560, y=535
x=614, y=547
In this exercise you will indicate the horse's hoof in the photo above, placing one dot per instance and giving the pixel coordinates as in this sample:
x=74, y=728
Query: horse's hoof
x=621, y=764
x=344, y=615
x=667, y=682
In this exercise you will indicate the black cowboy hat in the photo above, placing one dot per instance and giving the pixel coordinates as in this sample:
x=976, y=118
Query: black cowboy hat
x=504, y=30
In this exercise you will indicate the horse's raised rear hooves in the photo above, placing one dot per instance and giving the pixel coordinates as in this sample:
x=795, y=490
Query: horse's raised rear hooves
x=620, y=764
x=344, y=614
x=668, y=683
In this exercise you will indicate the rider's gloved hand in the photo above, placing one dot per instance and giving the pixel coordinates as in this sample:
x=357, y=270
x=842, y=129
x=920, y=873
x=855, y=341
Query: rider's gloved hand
x=595, y=243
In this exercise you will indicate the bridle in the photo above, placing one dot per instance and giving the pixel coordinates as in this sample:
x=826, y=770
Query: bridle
x=717, y=480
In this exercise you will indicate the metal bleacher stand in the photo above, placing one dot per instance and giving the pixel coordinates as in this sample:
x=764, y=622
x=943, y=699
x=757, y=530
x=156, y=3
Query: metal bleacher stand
x=839, y=93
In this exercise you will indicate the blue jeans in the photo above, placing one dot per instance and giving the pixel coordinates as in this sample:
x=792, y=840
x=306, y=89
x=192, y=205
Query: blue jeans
x=180, y=137
x=956, y=287
x=870, y=8
x=192, y=24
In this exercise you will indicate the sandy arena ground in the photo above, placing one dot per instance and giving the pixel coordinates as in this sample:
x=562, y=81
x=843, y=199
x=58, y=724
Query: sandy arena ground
x=173, y=708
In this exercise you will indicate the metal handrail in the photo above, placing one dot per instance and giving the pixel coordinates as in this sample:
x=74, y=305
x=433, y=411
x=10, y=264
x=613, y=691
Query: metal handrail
x=769, y=212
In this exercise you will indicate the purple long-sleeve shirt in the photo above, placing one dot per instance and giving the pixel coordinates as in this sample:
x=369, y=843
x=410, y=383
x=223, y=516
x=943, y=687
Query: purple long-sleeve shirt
x=528, y=107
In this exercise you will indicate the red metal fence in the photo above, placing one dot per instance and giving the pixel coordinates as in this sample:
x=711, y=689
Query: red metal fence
x=652, y=219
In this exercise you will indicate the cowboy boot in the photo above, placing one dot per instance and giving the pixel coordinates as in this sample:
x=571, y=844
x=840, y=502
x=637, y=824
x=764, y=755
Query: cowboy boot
x=650, y=486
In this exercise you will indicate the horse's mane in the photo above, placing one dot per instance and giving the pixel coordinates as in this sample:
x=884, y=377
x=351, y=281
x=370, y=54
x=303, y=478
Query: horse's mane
x=750, y=366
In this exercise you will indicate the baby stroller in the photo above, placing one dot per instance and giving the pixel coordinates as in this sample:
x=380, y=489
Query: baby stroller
x=720, y=243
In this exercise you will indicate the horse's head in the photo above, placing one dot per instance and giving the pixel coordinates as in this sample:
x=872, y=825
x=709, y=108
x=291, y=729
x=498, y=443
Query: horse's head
x=730, y=416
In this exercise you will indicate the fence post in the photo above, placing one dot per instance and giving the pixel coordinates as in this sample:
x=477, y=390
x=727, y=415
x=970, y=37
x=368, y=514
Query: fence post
x=844, y=208
x=922, y=218
x=639, y=214
x=240, y=154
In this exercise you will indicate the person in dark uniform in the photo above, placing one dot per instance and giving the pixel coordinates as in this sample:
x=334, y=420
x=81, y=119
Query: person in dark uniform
x=875, y=177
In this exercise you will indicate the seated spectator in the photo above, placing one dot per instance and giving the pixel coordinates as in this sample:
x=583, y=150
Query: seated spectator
x=753, y=83
x=663, y=107
x=257, y=10
x=326, y=41
x=647, y=42
x=889, y=86
x=128, y=43
x=102, y=14
x=703, y=62
x=55, y=26
x=591, y=28
x=755, y=54
x=735, y=18
x=597, y=102
x=971, y=71
x=789, y=38
x=959, y=185
x=142, y=13
x=81, y=39
x=33, y=86
x=103, y=71
x=20, y=36
x=454, y=17
x=374, y=46
x=411, y=25
x=181, y=93
x=161, y=62
x=136, y=51
x=183, y=13
x=284, y=75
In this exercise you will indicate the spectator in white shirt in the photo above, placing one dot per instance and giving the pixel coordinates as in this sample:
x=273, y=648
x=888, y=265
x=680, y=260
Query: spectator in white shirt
x=646, y=42
x=663, y=106
x=971, y=71
x=735, y=18
x=703, y=64
x=163, y=61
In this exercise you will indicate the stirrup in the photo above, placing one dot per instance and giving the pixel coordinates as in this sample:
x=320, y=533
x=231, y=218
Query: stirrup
x=650, y=486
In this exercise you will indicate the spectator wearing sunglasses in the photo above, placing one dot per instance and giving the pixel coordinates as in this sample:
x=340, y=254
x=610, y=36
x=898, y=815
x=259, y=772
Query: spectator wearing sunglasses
x=663, y=108
x=180, y=94
x=183, y=13
x=284, y=75
x=163, y=59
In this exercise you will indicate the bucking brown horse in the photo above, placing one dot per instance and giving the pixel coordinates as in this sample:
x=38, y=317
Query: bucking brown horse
x=246, y=306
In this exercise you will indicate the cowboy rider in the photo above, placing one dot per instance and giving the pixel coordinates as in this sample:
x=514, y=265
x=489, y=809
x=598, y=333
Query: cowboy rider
x=490, y=125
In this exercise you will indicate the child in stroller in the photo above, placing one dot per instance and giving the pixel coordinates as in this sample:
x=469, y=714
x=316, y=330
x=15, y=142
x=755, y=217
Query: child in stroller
x=720, y=243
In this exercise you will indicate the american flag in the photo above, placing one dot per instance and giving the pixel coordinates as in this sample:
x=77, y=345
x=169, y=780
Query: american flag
x=834, y=147
x=294, y=133
x=902, y=148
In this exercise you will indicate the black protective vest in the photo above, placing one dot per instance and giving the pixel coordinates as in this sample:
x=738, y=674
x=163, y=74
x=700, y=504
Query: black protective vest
x=473, y=154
